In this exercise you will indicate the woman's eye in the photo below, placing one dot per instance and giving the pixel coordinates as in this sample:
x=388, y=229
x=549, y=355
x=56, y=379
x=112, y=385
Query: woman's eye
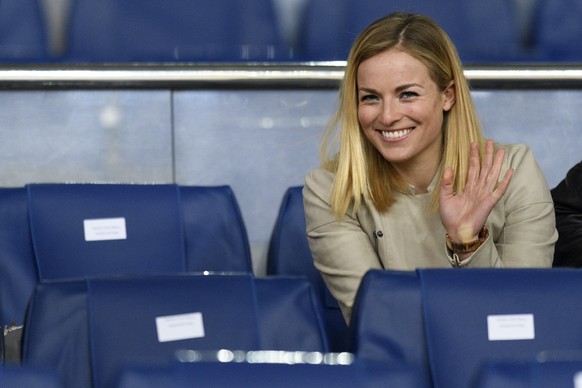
x=368, y=97
x=408, y=95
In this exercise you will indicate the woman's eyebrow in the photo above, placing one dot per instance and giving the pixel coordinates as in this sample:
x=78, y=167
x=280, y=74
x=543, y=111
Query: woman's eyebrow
x=406, y=86
x=397, y=90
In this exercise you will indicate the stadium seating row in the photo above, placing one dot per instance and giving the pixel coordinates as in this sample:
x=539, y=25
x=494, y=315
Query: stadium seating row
x=104, y=306
x=498, y=325
x=473, y=328
x=564, y=372
x=64, y=231
x=110, y=31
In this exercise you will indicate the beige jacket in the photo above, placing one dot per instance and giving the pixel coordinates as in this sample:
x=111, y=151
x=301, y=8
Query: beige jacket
x=409, y=236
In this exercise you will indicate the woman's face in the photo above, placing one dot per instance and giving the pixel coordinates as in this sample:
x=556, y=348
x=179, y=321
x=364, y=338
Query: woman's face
x=401, y=109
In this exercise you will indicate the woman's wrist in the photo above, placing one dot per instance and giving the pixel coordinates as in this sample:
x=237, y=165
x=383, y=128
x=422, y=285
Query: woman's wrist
x=461, y=248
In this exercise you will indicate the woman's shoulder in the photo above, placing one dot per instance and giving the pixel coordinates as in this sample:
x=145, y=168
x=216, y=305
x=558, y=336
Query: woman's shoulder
x=517, y=154
x=514, y=149
x=319, y=181
x=528, y=178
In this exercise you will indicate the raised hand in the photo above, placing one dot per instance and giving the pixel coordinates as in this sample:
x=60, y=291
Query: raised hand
x=464, y=214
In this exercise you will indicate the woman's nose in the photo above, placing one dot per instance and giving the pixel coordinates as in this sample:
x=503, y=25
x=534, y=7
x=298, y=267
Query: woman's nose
x=390, y=113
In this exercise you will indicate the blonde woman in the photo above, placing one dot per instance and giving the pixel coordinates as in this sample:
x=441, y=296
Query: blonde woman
x=407, y=180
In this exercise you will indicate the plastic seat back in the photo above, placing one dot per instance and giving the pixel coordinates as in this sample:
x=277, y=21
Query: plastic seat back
x=540, y=373
x=18, y=274
x=24, y=377
x=83, y=230
x=480, y=316
x=23, y=35
x=558, y=30
x=169, y=229
x=557, y=373
x=173, y=30
x=481, y=31
x=505, y=374
x=305, y=330
x=289, y=254
x=90, y=330
x=387, y=320
x=267, y=375
x=215, y=232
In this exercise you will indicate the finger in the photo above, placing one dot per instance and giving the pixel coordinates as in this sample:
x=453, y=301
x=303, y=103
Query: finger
x=447, y=189
x=487, y=160
x=473, y=173
x=502, y=186
x=493, y=178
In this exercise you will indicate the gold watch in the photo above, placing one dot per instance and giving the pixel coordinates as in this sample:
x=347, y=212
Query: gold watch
x=468, y=247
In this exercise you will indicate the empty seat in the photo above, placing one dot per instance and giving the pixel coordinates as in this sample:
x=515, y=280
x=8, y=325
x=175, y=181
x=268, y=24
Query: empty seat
x=289, y=254
x=329, y=41
x=215, y=233
x=504, y=374
x=563, y=371
x=560, y=372
x=267, y=375
x=557, y=30
x=481, y=31
x=387, y=324
x=174, y=30
x=23, y=35
x=18, y=273
x=93, y=230
x=168, y=229
x=89, y=330
x=480, y=316
x=26, y=377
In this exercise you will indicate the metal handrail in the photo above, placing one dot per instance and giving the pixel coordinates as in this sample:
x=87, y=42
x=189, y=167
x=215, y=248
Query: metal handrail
x=318, y=75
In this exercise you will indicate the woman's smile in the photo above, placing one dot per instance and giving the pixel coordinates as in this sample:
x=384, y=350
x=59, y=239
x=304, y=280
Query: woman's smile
x=396, y=134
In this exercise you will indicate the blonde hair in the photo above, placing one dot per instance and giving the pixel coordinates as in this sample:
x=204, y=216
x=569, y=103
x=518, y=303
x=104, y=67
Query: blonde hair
x=360, y=170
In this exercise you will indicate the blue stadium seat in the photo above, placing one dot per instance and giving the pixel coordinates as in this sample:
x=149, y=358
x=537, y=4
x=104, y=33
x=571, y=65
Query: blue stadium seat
x=480, y=316
x=268, y=375
x=491, y=321
x=170, y=229
x=539, y=373
x=483, y=32
x=90, y=330
x=173, y=30
x=23, y=35
x=214, y=229
x=26, y=377
x=18, y=273
x=387, y=324
x=329, y=41
x=289, y=254
x=103, y=229
x=558, y=30
x=560, y=372
x=505, y=374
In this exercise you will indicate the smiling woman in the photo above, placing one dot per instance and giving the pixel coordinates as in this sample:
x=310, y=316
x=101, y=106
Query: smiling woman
x=402, y=113
x=407, y=179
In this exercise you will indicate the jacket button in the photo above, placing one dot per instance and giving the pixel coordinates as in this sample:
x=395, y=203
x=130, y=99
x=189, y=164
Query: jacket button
x=379, y=233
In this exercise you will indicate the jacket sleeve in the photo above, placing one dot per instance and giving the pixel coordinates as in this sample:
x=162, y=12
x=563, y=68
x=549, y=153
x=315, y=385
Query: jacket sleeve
x=523, y=223
x=341, y=249
x=567, y=197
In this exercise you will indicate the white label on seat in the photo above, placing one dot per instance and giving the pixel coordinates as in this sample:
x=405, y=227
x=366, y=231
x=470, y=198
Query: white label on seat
x=578, y=380
x=180, y=327
x=510, y=327
x=105, y=229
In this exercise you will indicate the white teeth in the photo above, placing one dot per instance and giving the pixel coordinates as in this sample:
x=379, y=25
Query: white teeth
x=396, y=134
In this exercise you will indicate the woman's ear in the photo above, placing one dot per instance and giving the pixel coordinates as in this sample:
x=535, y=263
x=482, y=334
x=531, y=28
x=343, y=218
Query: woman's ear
x=449, y=97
